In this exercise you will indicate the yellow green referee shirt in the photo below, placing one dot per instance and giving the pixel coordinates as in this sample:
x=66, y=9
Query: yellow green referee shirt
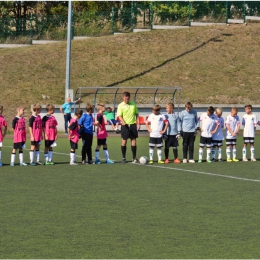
x=128, y=112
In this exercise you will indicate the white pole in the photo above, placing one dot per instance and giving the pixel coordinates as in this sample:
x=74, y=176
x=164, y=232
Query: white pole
x=67, y=86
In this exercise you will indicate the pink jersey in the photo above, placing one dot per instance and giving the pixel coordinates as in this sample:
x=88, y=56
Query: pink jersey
x=50, y=123
x=3, y=124
x=74, y=130
x=19, y=127
x=101, y=134
x=35, y=122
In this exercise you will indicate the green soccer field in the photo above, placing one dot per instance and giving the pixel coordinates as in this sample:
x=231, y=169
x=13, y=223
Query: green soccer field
x=129, y=211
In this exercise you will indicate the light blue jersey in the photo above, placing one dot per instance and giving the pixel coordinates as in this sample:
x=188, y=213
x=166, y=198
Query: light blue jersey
x=174, y=123
x=189, y=121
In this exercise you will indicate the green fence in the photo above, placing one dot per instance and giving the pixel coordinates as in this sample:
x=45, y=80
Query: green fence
x=136, y=15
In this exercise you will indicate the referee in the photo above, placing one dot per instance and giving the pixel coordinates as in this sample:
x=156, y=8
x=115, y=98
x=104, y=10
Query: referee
x=128, y=114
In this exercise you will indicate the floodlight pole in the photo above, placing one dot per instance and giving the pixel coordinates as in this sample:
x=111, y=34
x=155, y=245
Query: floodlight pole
x=67, y=86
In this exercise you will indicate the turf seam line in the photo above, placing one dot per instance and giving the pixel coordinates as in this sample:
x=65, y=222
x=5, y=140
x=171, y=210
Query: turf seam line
x=205, y=173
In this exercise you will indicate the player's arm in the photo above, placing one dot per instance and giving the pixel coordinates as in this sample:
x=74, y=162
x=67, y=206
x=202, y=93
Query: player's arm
x=147, y=123
x=76, y=101
x=31, y=120
x=215, y=130
x=4, y=128
x=238, y=127
x=137, y=121
x=166, y=124
x=14, y=122
x=44, y=128
x=230, y=130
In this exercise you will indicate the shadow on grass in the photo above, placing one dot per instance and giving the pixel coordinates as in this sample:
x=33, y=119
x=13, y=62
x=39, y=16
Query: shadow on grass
x=215, y=39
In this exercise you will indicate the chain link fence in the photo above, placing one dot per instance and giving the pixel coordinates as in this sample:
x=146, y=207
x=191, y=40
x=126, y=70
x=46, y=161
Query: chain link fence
x=141, y=15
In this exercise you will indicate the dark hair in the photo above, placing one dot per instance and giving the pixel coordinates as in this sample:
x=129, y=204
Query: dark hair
x=79, y=112
x=188, y=104
x=156, y=108
x=90, y=108
x=50, y=107
x=211, y=109
x=249, y=106
x=126, y=94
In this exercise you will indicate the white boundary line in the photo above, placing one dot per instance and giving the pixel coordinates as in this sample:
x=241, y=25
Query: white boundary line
x=205, y=173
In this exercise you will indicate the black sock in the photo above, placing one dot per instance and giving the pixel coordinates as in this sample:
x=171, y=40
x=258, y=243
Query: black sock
x=123, y=149
x=166, y=153
x=133, y=148
x=175, y=152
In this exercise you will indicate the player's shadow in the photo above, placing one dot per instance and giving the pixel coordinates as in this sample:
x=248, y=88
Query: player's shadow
x=215, y=39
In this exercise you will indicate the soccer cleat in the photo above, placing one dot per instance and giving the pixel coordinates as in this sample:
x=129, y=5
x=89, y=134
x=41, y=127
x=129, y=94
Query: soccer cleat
x=150, y=162
x=90, y=162
x=23, y=164
x=39, y=163
x=213, y=160
x=161, y=162
x=209, y=161
x=220, y=160
x=229, y=160
x=245, y=159
x=184, y=161
x=47, y=163
x=191, y=161
x=51, y=163
x=97, y=161
x=235, y=160
x=32, y=164
x=74, y=163
x=124, y=160
x=1, y=164
x=253, y=159
x=135, y=160
x=166, y=161
x=177, y=161
x=199, y=161
x=110, y=162
x=83, y=162
x=11, y=164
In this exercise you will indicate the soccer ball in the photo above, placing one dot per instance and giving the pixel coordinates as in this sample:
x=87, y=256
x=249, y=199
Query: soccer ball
x=143, y=160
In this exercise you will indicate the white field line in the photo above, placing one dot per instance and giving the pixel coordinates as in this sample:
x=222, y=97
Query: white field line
x=205, y=173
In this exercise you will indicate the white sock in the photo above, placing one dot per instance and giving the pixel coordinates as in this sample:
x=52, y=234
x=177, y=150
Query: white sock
x=97, y=155
x=31, y=156
x=72, y=157
x=46, y=157
x=234, y=153
x=159, y=154
x=37, y=155
x=213, y=153
x=252, y=149
x=50, y=155
x=219, y=153
x=13, y=157
x=151, y=150
x=244, y=152
x=21, y=157
x=228, y=151
x=200, y=153
x=106, y=154
x=208, y=153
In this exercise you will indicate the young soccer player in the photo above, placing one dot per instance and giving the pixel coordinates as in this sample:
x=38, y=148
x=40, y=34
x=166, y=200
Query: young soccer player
x=218, y=137
x=19, y=128
x=189, y=121
x=86, y=122
x=232, y=129
x=49, y=127
x=102, y=135
x=35, y=128
x=173, y=133
x=158, y=126
x=249, y=122
x=73, y=131
x=209, y=126
x=3, y=129
x=111, y=118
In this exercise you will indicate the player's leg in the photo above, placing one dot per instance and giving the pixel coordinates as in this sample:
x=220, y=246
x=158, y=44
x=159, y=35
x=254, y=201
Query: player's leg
x=84, y=149
x=252, y=150
x=50, y=155
x=235, y=152
x=13, y=156
x=66, y=121
x=220, y=151
x=125, y=133
x=213, y=150
x=106, y=153
x=208, y=144
x=73, y=147
x=175, y=144
x=185, y=146
x=31, y=153
x=246, y=141
x=167, y=149
x=1, y=157
x=133, y=134
x=22, y=163
x=191, y=147
x=97, y=160
x=89, y=141
x=228, y=149
x=202, y=145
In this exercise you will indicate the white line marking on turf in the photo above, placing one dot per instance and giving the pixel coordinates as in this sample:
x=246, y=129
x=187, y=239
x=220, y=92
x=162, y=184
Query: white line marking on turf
x=205, y=173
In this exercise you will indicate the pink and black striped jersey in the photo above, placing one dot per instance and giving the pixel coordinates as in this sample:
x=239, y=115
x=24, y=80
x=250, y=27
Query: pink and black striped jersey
x=3, y=124
x=18, y=125
x=35, y=122
x=50, y=123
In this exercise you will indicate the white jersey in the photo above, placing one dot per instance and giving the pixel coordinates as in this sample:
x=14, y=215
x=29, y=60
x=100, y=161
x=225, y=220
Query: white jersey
x=249, y=122
x=233, y=123
x=208, y=124
x=219, y=133
x=157, y=123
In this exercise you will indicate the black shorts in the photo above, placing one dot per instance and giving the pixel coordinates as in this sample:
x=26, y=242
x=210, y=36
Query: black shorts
x=171, y=142
x=73, y=145
x=19, y=145
x=101, y=142
x=155, y=142
x=48, y=143
x=218, y=143
x=129, y=131
x=35, y=143
x=231, y=141
x=249, y=140
x=205, y=141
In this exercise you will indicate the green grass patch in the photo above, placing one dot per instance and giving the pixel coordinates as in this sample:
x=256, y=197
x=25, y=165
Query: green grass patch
x=129, y=211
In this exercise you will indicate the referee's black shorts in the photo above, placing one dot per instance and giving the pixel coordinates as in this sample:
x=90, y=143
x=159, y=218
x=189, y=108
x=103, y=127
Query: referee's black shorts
x=129, y=131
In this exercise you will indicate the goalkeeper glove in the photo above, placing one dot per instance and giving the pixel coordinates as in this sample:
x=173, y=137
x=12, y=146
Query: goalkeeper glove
x=165, y=137
x=197, y=131
x=179, y=136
